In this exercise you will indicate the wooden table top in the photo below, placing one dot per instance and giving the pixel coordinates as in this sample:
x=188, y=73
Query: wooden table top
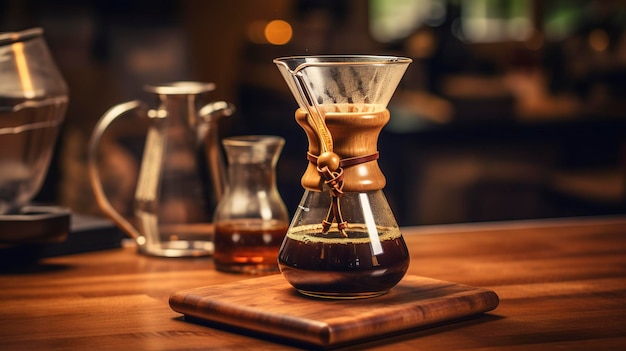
x=561, y=283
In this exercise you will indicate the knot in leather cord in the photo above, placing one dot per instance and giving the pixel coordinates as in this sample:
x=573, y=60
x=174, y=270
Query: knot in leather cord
x=334, y=180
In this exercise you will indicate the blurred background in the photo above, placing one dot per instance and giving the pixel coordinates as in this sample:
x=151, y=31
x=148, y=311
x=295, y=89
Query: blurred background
x=512, y=109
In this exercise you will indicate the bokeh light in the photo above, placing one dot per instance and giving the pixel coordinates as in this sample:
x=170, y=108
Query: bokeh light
x=278, y=32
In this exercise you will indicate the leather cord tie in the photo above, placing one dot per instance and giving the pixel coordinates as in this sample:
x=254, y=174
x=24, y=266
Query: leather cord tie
x=334, y=180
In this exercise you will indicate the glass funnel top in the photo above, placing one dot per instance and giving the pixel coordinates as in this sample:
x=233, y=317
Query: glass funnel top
x=343, y=83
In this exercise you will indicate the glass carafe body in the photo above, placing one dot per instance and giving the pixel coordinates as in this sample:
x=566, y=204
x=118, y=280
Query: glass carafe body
x=33, y=101
x=372, y=259
x=173, y=200
x=251, y=219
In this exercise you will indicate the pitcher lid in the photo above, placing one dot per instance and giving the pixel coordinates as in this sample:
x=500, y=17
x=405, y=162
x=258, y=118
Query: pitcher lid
x=14, y=37
x=180, y=88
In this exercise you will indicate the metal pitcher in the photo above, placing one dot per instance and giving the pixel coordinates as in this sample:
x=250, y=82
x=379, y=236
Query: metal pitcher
x=181, y=175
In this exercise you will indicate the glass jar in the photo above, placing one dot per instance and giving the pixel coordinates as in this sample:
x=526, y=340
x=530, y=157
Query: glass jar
x=251, y=219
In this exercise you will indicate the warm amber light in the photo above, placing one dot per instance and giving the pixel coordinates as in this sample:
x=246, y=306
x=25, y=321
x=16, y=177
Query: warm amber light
x=22, y=70
x=278, y=32
x=598, y=40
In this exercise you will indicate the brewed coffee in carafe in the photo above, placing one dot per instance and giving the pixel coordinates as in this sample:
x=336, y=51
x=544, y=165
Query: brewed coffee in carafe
x=343, y=241
x=251, y=218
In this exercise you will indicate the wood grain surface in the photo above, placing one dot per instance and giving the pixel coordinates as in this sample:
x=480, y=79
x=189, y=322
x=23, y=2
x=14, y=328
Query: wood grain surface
x=277, y=309
x=561, y=284
x=354, y=135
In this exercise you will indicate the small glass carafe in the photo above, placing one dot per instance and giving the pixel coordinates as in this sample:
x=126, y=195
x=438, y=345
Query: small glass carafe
x=251, y=219
x=343, y=241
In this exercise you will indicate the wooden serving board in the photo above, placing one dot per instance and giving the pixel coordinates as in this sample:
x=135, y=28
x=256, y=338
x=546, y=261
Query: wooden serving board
x=269, y=305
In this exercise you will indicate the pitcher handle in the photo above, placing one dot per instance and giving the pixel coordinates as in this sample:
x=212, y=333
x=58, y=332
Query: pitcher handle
x=94, y=176
x=209, y=114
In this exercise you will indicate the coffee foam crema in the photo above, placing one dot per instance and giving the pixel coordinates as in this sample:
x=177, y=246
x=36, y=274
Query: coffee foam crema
x=357, y=234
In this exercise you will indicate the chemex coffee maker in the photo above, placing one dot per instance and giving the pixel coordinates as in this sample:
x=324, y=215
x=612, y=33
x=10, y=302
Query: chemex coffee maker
x=343, y=241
